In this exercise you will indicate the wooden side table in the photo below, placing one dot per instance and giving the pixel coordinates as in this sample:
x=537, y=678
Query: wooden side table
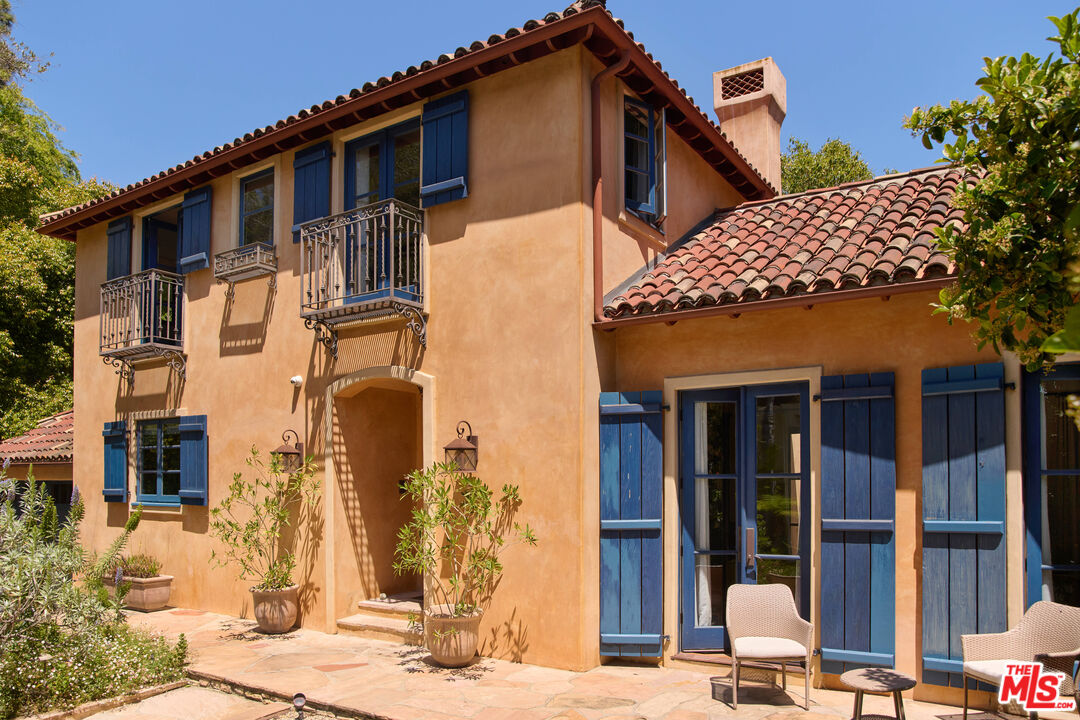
x=879, y=681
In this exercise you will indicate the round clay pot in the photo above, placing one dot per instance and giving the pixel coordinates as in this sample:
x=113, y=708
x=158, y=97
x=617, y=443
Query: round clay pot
x=451, y=640
x=275, y=610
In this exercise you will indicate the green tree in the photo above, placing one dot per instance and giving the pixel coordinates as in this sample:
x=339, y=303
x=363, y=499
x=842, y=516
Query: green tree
x=835, y=162
x=37, y=274
x=1018, y=258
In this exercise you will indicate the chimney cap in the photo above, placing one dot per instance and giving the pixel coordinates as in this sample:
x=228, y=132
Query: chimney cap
x=750, y=83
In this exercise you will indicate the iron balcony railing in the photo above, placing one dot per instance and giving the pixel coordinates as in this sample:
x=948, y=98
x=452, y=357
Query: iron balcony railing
x=361, y=262
x=142, y=314
x=246, y=261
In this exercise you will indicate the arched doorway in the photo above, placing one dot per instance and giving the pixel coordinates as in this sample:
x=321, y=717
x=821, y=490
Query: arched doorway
x=378, y=431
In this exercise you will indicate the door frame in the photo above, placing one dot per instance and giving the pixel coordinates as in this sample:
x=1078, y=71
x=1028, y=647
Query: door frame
x=746, y=476
x=811, y=375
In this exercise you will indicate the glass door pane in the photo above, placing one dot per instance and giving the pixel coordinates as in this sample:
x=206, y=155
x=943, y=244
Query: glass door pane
x=777, y=485
x=1060, y=494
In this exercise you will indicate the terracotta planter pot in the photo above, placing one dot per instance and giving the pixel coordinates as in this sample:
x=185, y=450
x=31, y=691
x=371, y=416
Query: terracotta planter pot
x=275, y=610
x=144, y=593
x=148, y=593
x=451, y=641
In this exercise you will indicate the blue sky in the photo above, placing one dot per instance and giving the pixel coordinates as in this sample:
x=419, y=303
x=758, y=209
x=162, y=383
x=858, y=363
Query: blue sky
x=141, y=85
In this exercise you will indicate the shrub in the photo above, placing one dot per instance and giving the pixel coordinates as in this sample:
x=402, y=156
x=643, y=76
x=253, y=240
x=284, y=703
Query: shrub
x=138, y=565
x=457, y=524
x=250, y=519
x=63, y=640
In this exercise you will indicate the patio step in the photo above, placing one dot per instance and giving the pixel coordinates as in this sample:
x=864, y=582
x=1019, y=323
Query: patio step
x=399, y=606
x=380, y=626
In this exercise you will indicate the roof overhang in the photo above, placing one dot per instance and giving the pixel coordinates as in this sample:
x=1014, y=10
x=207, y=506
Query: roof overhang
x=603, y=35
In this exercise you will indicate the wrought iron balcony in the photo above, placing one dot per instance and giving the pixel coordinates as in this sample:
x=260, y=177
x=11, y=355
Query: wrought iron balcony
x=246, y=261
x=142, y=316
x=363, y=263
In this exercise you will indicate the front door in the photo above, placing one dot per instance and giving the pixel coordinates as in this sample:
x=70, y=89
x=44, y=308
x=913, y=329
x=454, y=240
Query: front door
x=744, y=500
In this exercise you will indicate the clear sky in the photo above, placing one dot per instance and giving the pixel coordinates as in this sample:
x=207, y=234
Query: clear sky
x=141, y=85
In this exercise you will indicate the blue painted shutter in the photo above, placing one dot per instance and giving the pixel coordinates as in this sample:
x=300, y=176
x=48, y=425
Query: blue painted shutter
x=119, y=259
x=631, y=499
x=445, y=150
x=963, y=587
x=193, y=459
x=858, y=504
x=195, y=222
x=116, y=465
x=311, y=185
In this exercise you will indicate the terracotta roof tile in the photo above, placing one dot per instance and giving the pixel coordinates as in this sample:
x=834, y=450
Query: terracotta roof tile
x=856, y=235
x=50, y=442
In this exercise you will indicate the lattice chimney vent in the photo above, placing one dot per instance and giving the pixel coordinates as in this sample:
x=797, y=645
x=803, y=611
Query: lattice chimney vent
x=743, y=84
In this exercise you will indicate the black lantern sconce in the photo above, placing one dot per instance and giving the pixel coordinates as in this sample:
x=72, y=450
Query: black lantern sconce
x=462, y=451
x=292, y=456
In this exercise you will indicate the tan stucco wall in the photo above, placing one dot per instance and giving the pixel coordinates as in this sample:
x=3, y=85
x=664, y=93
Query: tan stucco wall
x=870, y=335
x=510, y=349
x=53, y=472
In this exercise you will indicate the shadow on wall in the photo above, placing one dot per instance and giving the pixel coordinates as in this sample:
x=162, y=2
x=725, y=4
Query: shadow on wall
x=154, y=386
x=304, y=537
x=375, y=443
x=508, y=640
x=244, y=322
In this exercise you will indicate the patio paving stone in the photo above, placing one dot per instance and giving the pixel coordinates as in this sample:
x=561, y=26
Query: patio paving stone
x=401, y=682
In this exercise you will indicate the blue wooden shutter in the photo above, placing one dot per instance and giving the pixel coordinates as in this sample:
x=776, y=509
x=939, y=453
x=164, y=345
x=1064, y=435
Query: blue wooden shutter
x=311, y=185
x=445, y=150
x=193, y=474
x=858, y=503
x=963, y=584
x=631, y=500
x=119, y=258
x=116, y=464
x=195, y=223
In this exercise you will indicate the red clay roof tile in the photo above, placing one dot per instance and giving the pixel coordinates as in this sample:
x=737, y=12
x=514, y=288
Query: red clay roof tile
x=50, y=442
x=856, y=235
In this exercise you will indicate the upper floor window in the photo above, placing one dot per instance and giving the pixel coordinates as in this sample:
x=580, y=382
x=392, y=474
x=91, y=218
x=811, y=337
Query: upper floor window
x=644, y=161
x=158, y=462
x=384, y=165
x=257, y=208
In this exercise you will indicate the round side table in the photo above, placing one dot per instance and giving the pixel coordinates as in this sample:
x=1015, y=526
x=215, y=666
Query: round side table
x=879, y=681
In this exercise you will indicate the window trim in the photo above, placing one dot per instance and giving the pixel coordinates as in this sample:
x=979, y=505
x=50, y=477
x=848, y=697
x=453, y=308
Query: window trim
x=243, y=214
x=158, y=499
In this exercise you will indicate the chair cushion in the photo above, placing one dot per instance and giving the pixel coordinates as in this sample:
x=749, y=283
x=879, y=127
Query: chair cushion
x=768, y=647
x=990, y=671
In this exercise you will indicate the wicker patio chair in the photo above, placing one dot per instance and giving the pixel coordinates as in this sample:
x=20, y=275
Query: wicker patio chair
x=764, y=624
x=1048, y=633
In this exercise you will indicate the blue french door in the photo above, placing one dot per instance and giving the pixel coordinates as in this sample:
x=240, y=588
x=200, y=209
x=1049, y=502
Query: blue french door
x=379, y=166
x=744, y=500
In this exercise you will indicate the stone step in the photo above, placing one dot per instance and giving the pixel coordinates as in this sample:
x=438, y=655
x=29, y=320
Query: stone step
x=375, y=626
x=399, y=606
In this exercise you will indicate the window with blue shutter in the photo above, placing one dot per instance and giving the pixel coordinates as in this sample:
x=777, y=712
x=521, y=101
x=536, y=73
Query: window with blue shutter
x=116, y=463
x=193, y=460
x=644, y=161
x=311, y=185
x=195, y=224
x=445, y=172
x=963, y=503
x=631, y=545
x=119, y=252
x=858, y=501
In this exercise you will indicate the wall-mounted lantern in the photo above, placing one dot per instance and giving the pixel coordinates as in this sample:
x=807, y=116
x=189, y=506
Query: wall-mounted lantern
x=291, y=456
x=462, y=451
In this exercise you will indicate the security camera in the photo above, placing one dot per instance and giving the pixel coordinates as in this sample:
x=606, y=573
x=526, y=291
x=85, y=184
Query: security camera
x=296, y=380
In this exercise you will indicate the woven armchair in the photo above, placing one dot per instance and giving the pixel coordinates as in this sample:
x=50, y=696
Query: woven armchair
x=764, y=624
x=1048, y=633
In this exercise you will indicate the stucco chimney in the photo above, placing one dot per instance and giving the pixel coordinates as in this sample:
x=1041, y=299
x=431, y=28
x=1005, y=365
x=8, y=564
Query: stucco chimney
x=751, y=102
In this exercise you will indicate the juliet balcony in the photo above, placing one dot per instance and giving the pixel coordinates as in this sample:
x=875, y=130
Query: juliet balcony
x=142, y=316
x=245, y=262
x=361, y=264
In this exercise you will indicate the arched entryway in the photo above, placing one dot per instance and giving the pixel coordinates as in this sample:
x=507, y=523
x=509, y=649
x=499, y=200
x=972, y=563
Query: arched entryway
x=378, y=429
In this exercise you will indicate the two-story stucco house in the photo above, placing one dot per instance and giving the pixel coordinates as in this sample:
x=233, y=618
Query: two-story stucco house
x=695, y=383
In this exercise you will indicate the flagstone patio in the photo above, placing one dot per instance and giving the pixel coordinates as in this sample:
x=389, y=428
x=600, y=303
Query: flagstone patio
x=355, y=677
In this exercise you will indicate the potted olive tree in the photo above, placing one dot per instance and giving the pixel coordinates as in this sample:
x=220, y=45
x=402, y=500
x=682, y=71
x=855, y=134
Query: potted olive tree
x=249, y=522
x=455, y=538
x=147, y=588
